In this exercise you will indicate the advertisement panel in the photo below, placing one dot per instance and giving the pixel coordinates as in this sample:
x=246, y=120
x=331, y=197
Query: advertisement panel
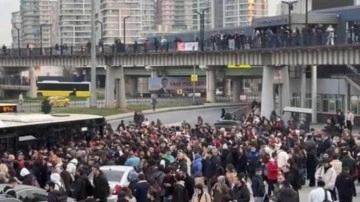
x=187, y=46
x=166, y=86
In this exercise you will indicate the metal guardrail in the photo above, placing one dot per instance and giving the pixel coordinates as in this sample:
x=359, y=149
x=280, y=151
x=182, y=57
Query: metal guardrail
x=35, y=106
x=264, y=40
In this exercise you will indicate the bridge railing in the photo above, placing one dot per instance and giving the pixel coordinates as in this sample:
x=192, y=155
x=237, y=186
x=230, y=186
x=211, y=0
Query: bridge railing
x=238, y=42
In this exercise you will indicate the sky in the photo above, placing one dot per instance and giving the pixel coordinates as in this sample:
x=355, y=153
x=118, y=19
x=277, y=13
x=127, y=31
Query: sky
x=6, y=8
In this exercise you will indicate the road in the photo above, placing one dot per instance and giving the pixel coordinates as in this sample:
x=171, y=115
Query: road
x=210, y=116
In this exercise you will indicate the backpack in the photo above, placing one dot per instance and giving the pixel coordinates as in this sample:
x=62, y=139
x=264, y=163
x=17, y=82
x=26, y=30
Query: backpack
x=62, y=197
x=61, y=189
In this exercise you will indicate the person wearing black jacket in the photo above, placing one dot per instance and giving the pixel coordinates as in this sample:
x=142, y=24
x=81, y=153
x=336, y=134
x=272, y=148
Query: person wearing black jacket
x=210, y=165
x=257, y=185
x=82, y=186
x=66, y=178
x=345, y=185
x=324, y=144
x=240, y=192
x=350, y=163
x=101, y=186
x=168, y=185
x=180, y=192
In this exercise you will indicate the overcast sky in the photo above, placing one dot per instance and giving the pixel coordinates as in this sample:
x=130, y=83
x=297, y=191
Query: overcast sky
x=6, y=8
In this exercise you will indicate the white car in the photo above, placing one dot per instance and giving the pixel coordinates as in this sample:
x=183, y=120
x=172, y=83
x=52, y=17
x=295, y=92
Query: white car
x=118, y=177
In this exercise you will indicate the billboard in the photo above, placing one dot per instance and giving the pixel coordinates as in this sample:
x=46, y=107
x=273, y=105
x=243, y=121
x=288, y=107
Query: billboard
x=166, y=86
x=325, y=4
x=187, y=46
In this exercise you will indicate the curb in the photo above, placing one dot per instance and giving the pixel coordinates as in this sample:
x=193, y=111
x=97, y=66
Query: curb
x=170, y=109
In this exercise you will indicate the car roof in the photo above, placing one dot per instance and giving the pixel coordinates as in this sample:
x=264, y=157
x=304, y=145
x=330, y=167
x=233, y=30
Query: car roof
x=117, y=168
x=21, y=187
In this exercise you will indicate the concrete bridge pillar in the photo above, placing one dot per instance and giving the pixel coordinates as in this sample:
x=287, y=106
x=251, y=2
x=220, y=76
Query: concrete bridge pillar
x=115, y=88
x=314, y=94
x=154, y=73
x=211, y=85
x=267, y=92
x=131, y=84
x=110, y=87
x=227, y=88
x=236, y=89
x=285, y=93
x=32, y=79
x=303, y=88
x=347, y=98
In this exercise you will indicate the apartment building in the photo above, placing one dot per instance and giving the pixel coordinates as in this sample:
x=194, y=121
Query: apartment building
x=75, y=22
x=15, y=30
x=38, y=22
x=175, y=15
x=134, y=17
x=242, y=12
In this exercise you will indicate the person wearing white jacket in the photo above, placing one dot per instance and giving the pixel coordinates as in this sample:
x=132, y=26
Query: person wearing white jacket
x=71, y=168
x=327, y=174
x=281, y=158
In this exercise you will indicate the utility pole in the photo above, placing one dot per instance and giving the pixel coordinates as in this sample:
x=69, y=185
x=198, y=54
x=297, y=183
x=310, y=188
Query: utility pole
x=93, y=102
x=124, y=30
x=202, y=27
x=41, y=39
x=306, y=21
x=291, y=7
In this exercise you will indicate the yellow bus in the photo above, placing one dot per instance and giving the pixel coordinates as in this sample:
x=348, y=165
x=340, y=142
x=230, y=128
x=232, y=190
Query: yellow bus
x=64, y=89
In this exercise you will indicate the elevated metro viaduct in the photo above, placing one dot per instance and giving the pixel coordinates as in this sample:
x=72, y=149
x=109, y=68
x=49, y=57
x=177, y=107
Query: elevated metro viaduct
x=274, y=61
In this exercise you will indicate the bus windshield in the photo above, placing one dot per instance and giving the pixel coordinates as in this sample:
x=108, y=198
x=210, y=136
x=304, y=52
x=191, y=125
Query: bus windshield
x=64, y=89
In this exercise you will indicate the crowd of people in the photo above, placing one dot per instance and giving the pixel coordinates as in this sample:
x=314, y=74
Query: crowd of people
x=264, y=160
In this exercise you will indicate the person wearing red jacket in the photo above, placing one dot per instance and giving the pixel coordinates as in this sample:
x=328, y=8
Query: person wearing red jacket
x=272, y=172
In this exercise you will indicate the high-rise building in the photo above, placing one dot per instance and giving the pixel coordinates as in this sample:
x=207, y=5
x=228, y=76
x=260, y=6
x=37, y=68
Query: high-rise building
x=39, y=23
x=133, y=17
x=274, y=7
x=15, y=30
x=75, y=22
x=242, y=12
x=175, y=15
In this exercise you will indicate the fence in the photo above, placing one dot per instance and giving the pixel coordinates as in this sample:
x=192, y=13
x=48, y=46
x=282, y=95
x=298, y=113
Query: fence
x=162, y=102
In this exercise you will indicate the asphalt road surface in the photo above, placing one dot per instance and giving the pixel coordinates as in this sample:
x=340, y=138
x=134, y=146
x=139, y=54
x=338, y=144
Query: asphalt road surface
x=210, y=115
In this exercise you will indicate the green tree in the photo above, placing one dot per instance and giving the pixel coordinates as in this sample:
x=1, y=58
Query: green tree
x=45, y=106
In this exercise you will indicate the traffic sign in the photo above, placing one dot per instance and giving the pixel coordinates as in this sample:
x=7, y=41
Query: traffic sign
x=194, y=77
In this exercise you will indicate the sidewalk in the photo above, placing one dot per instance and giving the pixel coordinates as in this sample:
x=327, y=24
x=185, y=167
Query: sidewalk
x=170, y=109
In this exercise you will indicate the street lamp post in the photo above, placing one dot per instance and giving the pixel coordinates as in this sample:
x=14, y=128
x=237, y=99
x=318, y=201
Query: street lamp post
x=202, y=26
x=18, y=38
x=306, y=21
x=93, y=102
x=291, y=7
x=124, y=30
x=101, y=29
